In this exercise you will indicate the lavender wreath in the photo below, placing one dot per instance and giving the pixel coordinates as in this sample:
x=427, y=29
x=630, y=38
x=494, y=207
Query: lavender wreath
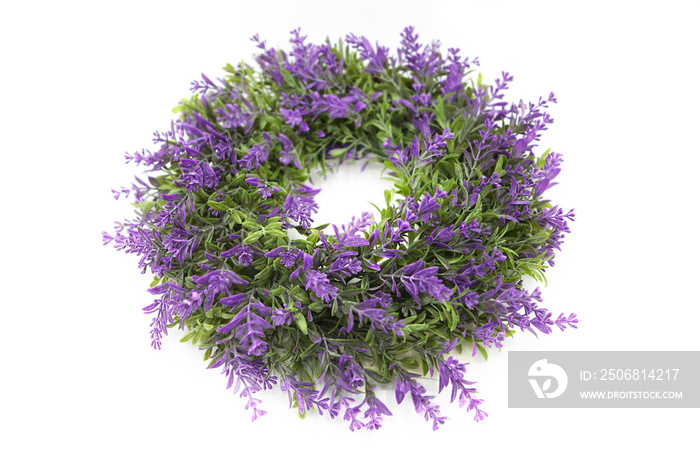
x=328, y=316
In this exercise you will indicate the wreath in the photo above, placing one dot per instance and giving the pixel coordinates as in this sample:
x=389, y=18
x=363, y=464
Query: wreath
x=328, y=314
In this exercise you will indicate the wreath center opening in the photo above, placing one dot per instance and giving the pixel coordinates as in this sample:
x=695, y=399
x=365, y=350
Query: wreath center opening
x=350, y=189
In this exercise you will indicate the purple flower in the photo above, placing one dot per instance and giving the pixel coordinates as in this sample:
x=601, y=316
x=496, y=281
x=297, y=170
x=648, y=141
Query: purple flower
x=402, y=227
x=417, y=280
x=281, y=317
x=375, y=410
x=288, y=154
x=303, y=395
x=265, y=189
x=350, y=235
x=335, y=106
x=242, y=252
x=353, y=373
x=406, y=384
x=440, y=236
x=421, y=60
x=351, y=414
x=385, y=299
x=376, y=60
x=473, y=228
x=486, y=334
x=318, y=283
x=347, y=266
x=163, y=307
x=549, y=172
x=181, y=243
x=244, y=373
x=231, y=116
x=428, y=204
x=197, y=174
x=140, y=241
x=542, y=321
x=288, y=256
x=456, y=69
x=436, y=145
x=562, y=321
x=452, y=373
x=217, y=282
x=378, y=318
x=248, y=326
x=299, y=206
x=313, y=65
x=292, y=117
x=256, y=155
x=338, y=107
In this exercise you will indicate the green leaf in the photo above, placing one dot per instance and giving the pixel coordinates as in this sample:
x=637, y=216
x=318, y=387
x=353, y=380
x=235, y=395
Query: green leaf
x=301, y=323
x=539, y=238
x=188, y=336
x=376, y=376
x=263, y=274
x=388, y=196
x=542, y=159
x=339, y=152
x=452, y=316
x=287, y=76
x=412, y=328
x=482, y=351
x=235, y=216
x=252, y=225
x=253, y=237
x=277, y=234
x=443, y=262
x=499, y=165
x=218, y=206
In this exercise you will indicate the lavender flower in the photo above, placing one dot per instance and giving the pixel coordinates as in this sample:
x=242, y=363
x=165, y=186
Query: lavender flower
x=245, y=374
x=217, y=282
x=288, y=154
x=281, y=317
x=301, y=206
x=418, y=279
x=375, y=410
x=292, y=117
x=350, y=233
x=376, y=59
x=319, y=283
x=406, y=384
x=378, y=318
x=248, y=325
x=243, y=254
x=303, y=395
x=346, y=266
x=452, y=373
x=288, y=256
x=256, y=155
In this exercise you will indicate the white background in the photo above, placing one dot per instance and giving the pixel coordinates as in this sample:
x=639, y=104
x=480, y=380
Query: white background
x=82, y=83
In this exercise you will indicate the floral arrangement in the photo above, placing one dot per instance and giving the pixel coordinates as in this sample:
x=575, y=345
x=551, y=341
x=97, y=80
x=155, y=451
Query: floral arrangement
x=333, y=313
